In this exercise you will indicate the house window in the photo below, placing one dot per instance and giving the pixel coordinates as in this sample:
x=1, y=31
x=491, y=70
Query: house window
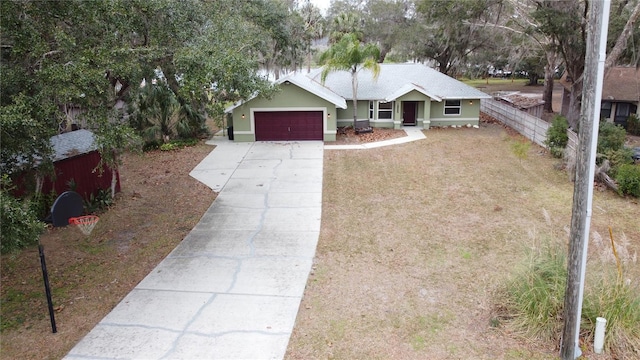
x=452, y=107
x=623, y=110
x=605, y=110
x=371, y=112
x=385, y=110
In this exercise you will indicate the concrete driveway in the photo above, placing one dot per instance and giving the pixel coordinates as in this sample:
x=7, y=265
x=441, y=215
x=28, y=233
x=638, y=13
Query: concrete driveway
x=232, y=288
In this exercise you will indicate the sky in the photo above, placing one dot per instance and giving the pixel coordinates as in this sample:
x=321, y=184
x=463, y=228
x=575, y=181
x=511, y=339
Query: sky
x=322, y=4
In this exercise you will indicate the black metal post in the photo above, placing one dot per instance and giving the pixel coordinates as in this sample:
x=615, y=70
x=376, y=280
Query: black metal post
x=47, y=288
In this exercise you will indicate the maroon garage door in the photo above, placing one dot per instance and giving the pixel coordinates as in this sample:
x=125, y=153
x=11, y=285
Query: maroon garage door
x=288, y=125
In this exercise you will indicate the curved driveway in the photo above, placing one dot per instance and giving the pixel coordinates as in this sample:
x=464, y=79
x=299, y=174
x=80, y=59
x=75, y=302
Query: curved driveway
x=232, y=288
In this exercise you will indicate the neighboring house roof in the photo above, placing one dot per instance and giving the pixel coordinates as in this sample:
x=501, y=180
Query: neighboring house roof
x=396, y=80
x=72, y=143
x=621, y=84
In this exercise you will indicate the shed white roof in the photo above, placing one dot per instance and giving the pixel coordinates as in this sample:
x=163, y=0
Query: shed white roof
x=72, y=143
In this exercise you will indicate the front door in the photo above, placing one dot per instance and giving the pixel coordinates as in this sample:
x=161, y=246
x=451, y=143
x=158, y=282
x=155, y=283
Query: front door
x=409, y=112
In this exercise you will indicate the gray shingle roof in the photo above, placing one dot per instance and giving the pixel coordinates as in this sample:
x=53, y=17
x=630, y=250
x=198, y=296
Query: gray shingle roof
x=393, y=80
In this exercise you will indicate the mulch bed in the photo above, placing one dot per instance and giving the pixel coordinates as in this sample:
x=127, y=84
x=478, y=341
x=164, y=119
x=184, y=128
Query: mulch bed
x=347, y=135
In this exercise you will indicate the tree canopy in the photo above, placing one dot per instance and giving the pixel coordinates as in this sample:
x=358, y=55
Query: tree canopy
x=58, y=57
x=61, y=56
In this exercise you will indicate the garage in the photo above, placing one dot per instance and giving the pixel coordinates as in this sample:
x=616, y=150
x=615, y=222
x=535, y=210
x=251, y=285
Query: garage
x=288, y=125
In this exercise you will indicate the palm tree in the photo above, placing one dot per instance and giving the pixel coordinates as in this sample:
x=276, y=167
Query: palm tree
x=158, y=115
x=343, y=24
x=350, y=55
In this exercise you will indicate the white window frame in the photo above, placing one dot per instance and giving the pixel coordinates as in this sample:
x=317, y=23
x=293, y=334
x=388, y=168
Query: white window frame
x=371, y=110
x=390, y=110
x=451, y=105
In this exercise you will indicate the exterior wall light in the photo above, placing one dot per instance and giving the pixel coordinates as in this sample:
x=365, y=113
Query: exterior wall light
x=243, y=116
x=470, y=102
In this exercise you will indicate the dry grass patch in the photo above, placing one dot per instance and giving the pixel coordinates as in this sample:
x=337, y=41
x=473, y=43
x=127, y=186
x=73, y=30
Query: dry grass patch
x=416, y=238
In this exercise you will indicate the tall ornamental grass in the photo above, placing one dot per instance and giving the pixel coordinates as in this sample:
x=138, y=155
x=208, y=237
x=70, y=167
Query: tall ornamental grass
x=533, y=299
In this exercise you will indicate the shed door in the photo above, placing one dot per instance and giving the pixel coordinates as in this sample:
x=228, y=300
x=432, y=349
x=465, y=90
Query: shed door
x=288, y=125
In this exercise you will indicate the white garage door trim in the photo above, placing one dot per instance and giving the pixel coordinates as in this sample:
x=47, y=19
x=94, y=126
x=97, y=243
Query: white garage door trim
x=252, y=118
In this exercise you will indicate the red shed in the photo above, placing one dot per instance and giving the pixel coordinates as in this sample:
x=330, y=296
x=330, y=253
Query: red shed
x=75, y=160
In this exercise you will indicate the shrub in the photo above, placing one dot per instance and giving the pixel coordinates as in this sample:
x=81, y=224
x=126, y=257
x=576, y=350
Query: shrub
x=98, y=202
x=619, y=303
x=159, y=116
x=618, y=158
x=535, y=297
x=178, y=144
x=169, y=146
x=151, y=145
x=628, y=178
x=610, y=137
x=557, y=137
x=521, y=149
x=41, y=203
x=613, y=295
x=633, y=124
x=19, y=225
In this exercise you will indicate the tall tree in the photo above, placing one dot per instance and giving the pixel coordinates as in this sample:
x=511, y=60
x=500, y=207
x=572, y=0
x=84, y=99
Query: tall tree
x=448, y=39
x=622, y=21
x=314, y=27
x=280, y=36
x=349, y=54
x=345, y=6
x=91, y=54
x=526, y=26
x=533, y=67
x=384, y=21
x=565, y=22
x=346, y=23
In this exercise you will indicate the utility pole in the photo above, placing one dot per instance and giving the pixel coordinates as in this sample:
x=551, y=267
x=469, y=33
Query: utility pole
x=597, y=26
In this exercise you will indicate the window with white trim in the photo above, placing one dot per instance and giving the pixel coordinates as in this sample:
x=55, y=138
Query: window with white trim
x=452, y=107
x=385, y=110
x=371, y=112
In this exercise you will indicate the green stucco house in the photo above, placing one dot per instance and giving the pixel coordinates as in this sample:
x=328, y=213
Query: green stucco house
x=402, y=95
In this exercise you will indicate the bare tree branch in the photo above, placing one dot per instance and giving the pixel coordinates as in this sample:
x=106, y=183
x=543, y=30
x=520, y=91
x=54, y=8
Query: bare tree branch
x=621, y=42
